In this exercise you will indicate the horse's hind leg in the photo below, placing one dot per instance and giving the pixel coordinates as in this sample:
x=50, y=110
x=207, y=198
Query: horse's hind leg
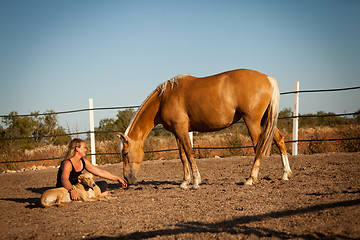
x=187, y=175
x=280, y=143
x=254, y=132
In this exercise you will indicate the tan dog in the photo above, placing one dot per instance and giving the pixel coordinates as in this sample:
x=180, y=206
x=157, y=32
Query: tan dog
x=86, y=188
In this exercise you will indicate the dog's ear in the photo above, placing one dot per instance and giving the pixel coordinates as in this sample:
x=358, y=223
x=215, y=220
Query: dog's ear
x=80, y=178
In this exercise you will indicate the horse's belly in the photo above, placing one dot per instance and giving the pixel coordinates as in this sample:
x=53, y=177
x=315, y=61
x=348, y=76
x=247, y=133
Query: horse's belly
x=212, y=123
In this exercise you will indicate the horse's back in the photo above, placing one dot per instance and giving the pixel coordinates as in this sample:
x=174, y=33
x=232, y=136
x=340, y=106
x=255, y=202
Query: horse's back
x=215, y=102
x=241, y=89
x=239, y=80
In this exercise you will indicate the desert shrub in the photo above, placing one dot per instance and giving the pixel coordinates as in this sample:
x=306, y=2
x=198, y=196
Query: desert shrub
x=7, y=157
x=316, y=145
x=156, y=143
x=22, y=134
x=109, y=150
x=322, y=118
x=234, y=141
x=227, y=141
x=350, y=131
x=284, y=121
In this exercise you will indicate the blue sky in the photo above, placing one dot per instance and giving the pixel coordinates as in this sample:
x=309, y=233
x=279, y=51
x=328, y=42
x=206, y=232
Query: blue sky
x=58, y=54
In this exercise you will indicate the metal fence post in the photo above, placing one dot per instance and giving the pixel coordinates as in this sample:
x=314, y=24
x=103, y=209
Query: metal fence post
x=92, y=131
x=295, y=119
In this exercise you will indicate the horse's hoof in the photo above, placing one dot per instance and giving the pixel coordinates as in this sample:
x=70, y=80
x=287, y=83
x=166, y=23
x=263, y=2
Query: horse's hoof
x=286, y=176
x=195, y=187
x=248, y=182
x=184, y=186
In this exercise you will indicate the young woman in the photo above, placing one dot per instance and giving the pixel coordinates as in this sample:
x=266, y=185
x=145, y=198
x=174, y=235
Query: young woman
x=74, y=164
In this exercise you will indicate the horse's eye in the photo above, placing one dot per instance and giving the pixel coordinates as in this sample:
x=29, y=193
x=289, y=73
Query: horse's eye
x=125, y=153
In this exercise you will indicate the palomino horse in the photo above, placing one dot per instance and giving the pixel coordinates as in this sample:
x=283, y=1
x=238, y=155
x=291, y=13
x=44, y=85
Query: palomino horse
x=186, y=103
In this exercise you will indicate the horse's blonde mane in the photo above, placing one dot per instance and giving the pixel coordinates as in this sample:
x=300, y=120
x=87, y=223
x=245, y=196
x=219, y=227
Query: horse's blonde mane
x=138, y=112
x=161, y=88
x=174, y=80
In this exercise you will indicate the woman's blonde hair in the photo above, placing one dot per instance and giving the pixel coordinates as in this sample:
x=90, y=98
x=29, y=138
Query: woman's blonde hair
x=71, y=151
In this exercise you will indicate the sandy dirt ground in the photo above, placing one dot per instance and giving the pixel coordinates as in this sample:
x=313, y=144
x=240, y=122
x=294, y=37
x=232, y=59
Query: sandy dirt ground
x=321, y=201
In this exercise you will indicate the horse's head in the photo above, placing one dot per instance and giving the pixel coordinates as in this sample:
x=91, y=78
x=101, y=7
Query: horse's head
x=132, y=154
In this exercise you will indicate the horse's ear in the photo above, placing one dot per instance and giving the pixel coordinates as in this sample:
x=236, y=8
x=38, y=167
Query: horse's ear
x=124, y=142
x=123, y=137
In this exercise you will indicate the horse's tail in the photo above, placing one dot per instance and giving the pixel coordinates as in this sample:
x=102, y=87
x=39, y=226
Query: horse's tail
x=269, y=122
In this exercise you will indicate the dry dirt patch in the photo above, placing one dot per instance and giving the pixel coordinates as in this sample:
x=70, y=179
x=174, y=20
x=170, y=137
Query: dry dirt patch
x=320, y=201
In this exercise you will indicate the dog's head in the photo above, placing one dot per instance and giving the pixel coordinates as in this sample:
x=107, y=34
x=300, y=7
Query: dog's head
x=87, y=179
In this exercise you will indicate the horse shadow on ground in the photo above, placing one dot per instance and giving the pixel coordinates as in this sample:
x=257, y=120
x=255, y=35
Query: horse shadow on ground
x=141, y=184
x=238, y=225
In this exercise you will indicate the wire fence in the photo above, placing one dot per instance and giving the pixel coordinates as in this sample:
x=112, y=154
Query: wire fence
x=175, y=149
x=96, y=132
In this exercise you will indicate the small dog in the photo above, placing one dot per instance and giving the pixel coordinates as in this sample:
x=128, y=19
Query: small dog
x=86, y=188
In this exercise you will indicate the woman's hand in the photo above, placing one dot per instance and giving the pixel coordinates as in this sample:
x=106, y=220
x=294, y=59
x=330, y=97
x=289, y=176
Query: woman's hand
x=103, y=173
x=123, y=183
x=74, y=195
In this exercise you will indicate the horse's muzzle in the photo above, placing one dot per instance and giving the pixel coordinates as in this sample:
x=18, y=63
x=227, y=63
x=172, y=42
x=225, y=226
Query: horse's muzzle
x=130, y=177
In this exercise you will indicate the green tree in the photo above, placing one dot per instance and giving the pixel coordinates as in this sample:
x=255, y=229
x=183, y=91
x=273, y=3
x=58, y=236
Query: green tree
x=33, y=131
x=321, y=118
x=357, y=116
x=108, y=126
x=124, y=118
x=20, y=128
x=48, y=129
x=285, y=120
x=2, y=132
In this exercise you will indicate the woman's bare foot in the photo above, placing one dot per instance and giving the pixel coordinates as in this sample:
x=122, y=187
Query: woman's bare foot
x=105, y=194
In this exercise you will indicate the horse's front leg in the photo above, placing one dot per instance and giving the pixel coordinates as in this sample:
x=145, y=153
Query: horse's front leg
x=186, y=168
x=184, y=139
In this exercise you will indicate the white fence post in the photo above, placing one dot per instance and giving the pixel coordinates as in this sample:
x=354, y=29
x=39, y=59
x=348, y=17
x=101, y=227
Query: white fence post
x=296, y=119
x=191, y=138
x=92, y=129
